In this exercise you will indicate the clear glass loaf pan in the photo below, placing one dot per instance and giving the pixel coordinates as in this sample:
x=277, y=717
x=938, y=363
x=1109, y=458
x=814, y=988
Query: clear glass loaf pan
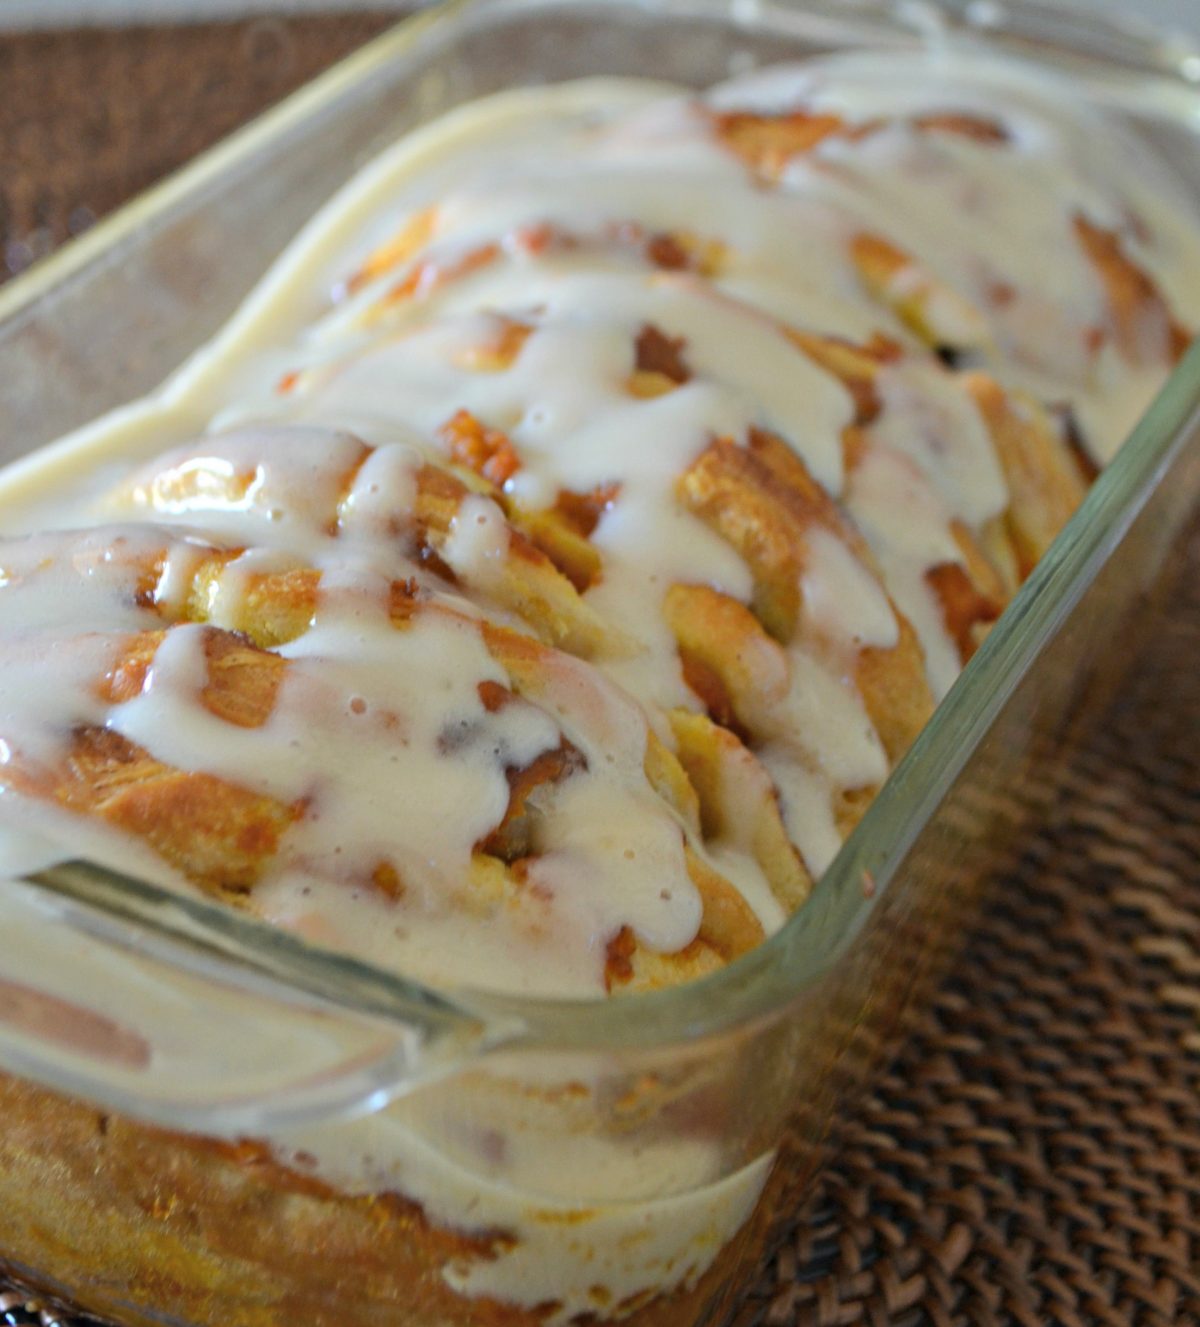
x=157, y=1160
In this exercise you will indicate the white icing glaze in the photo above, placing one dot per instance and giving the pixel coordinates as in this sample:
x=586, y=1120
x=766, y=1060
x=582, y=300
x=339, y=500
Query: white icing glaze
x=927, y=419
x=905, y=523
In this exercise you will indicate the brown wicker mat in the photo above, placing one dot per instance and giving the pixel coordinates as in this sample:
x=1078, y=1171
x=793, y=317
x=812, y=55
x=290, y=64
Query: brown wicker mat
x=1034, y=1155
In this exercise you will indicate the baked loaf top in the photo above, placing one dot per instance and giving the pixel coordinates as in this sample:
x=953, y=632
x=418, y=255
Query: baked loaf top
x=551, y=592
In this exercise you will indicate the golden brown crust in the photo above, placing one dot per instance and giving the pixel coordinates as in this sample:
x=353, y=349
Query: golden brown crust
x=767, y=141
x=895, y=690
x=855, y=366
x=1143, y=325
x=219, y=834
x=731, y=785
x=144, y=1226
x=1045, y=485
x=940, y=316
x=731, y=491
x=526, y=581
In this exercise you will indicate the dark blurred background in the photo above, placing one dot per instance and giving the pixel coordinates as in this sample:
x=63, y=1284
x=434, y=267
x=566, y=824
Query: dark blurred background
x=91, y=115
x=102, y=97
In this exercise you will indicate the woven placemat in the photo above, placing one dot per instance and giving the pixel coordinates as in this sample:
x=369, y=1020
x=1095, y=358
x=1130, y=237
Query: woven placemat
x=1034, y=1155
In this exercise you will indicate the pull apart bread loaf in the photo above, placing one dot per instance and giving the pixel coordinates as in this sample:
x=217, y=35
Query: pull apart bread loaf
x=542, y=607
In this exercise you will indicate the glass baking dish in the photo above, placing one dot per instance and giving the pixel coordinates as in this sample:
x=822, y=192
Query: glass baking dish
x=174, y=1110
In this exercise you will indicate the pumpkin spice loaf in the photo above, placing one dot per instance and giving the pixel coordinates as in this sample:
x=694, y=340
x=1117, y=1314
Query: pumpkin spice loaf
x=530, y=589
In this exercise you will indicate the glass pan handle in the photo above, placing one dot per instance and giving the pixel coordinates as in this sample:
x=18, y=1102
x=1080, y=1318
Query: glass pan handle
x=190, y=1015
